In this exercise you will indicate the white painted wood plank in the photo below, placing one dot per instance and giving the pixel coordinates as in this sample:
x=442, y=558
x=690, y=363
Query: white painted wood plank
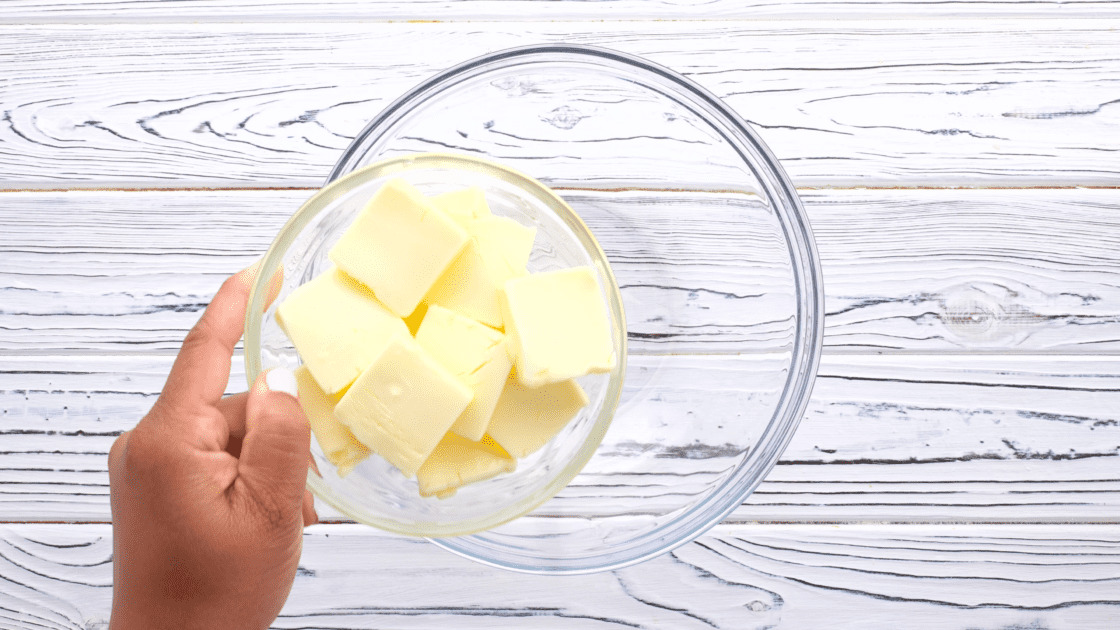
x=892, y=438
x=940, y=438
x=81, y=11
x=919, y=102
x=992, y=270
x=880, y=577
x=905, y=270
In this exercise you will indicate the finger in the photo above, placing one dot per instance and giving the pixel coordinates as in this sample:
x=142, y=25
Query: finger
x=310, y=516
x=275, y=283
x=201, y=371
x=233, y=409
x=273, y=463
x=234, y=446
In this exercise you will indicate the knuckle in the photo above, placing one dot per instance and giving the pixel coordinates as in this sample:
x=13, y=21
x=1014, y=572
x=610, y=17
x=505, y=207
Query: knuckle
x=117, y=448
x=136, y=455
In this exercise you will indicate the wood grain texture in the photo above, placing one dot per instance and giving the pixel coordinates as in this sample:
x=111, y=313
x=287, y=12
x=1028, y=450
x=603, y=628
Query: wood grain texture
x=741, y=577
x=67, y=11
x=902, y=438
x=97, y=289
x=999, y=271
x=905, y=270
x=933, y=103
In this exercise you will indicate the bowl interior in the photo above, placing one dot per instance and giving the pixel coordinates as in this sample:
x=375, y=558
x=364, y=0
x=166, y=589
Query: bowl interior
x=715, y=263
x=375, y=492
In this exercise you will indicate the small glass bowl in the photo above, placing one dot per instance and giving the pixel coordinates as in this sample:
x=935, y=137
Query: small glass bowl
x=375, y=492
x=715, y=263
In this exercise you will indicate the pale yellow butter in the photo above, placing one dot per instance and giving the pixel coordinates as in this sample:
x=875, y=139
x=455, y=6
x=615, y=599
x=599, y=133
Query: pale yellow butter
x=526, y=418
x=467, y=287
x=456, y=462
x=338, y=443
x=399, y=245
x=474, y=353
x=337, y=326
x=499, y=250
x=507, y=243
x=557, y=326
x=463, y=206
x=403, y=404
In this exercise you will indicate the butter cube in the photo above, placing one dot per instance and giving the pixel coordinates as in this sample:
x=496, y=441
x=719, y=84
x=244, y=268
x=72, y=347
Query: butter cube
x=467, y=287
x=557, y=326
x=403, y=404
x=476, y=355
x=507, y=245
x=399, y=245
x=463, y=206
x=338, y=443
x=499, y=250
x=457, y=461
x=525, y=418
x=337, y=326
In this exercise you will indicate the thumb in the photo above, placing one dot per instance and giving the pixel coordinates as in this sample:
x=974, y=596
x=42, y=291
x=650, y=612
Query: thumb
x=273, y=462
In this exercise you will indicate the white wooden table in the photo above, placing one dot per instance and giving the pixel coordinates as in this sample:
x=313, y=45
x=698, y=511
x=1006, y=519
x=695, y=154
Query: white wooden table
x=958, y=467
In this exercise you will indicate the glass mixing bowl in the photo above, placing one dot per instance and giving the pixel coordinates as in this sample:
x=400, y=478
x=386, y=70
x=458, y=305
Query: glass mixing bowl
x=714, y=261
x=375, y=492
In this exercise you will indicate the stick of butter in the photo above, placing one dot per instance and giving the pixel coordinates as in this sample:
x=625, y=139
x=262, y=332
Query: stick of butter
x=474, y=353
x=338, y=443
x=525, y=418
x=557, y=326
x=457, y=461
x=403, y=404
x=399, y=245
x=337, y=326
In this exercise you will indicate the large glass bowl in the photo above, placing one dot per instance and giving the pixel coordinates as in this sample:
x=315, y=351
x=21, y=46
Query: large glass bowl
x=715, y=264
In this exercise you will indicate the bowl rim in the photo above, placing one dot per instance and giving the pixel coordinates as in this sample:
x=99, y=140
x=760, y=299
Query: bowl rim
x=805, y=265
x=387, y=168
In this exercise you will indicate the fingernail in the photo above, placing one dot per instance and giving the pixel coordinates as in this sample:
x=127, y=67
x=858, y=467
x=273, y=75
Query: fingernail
x=282, y=380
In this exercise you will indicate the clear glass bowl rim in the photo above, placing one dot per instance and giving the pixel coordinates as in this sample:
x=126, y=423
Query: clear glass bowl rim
x=807, y=276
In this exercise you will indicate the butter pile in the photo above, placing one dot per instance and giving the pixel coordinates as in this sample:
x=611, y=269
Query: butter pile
x=429, y=344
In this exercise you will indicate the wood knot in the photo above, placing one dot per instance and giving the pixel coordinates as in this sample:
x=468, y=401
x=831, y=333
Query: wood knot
x=985, y=313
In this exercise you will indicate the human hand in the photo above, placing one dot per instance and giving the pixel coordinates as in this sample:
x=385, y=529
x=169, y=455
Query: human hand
x=207, y=492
